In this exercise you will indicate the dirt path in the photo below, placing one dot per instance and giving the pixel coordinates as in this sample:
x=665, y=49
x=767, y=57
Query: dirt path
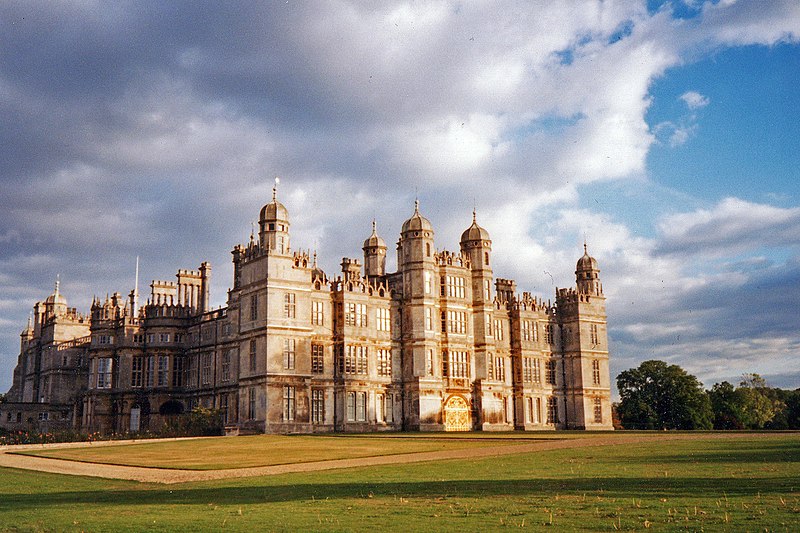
x=162, y=475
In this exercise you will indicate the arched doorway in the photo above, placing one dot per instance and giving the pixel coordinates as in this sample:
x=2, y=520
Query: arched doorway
x=456, y=414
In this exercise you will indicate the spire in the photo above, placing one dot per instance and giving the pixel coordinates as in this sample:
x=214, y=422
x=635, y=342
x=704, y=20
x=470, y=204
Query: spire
x=474, y=215
x=135, y=302
x=374, y=227
x=275, y=189
x=416, y=206
x=30, y=319
x=58, y=283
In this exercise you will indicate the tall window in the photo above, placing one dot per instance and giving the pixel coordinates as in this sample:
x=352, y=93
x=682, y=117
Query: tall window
x=552, y=410
x=317, y=406
x=456, y=286
x=177, y=371
x=529, y=409
x=149, y=370
x=537, y=371
x=355, y=315
x=388, y=408
x=457, y=322
x=289, y=305
x=317, y=313
x=354, y=360
x=253, y=355
x=429, y=363
x=205, y=368
x=455, y=364
x=163, y=371
x=548, y=333
x=499, y=368
x=383, y=319
x=317, y=358
x=593, y=333
x=498, y=330
x=251, y=404
x=428, y=319
x=487, y=289
x=384, y=362
x=538, y=410
x=254, y=307
x=288, y=403
x=527, y=369
x=104, y=373
x=596, y=372
x=598, y=411
x=550, y=373
x=427, y=282
x=223, y=408
x=351, y=406
x=137, y=371
x=226, y=366
x=361, y=406
x=288, y=354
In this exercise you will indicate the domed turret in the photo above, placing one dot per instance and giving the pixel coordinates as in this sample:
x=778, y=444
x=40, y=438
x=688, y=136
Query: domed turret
x=374, y=254
x=56, y=298
x=476, y=244
x=274, y=225
x=475, y=232
x=417, y=222
x=587, y=274
x=586, y=263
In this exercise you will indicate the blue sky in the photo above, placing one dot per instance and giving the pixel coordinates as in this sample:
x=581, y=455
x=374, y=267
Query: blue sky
x=665, y=133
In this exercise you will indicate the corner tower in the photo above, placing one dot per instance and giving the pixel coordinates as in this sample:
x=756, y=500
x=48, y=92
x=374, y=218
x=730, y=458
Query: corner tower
x=582, y=316
x=416, y=261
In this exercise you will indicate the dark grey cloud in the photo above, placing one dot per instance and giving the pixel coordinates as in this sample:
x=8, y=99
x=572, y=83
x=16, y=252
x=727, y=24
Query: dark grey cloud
x=155, y=129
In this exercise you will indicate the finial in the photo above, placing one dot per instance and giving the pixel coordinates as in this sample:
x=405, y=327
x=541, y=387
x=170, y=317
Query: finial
x=474, y=216
x=315, y=259
x=58, y=282
x=252, y=231
x=416, y=205
x=275, y=189
x=374, y=227
x=30, y=319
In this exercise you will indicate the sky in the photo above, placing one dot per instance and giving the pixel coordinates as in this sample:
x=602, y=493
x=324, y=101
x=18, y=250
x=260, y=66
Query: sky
x=666, y=135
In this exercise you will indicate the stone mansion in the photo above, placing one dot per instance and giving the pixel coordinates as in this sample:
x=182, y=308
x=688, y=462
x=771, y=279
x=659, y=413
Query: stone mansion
x=441, y=344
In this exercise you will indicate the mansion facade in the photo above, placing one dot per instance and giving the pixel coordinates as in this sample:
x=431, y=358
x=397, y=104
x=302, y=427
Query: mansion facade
x=441, y=344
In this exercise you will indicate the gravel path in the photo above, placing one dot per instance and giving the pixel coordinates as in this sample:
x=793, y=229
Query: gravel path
x=163, y=475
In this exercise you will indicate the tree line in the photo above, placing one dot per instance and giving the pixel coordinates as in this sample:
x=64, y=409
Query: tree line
x=656, y=395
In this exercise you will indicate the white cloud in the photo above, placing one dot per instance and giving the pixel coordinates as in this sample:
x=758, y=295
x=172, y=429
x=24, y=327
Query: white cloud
x=694, y=100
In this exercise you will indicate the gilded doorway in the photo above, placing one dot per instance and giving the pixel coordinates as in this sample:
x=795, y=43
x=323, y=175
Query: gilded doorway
x=456, y=414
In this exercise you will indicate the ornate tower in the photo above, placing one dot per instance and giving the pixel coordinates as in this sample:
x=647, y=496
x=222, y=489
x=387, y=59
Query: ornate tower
x=582, y=316
x=374, y=254
x=421, y=355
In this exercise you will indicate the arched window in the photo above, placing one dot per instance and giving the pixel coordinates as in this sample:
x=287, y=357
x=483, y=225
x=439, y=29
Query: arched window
x=486, y=258
x=428, y=249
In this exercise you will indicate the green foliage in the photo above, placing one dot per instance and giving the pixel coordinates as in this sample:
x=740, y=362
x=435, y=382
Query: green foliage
x=753, y=405
x=660, y=396
x=200, y=422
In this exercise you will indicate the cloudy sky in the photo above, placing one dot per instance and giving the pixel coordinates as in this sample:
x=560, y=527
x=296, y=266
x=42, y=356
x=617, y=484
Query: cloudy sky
x=667, y=134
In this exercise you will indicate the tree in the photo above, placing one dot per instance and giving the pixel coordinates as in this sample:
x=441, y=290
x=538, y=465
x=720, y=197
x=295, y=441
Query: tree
x=760, y=403
x=727, y=404
x=660, y=396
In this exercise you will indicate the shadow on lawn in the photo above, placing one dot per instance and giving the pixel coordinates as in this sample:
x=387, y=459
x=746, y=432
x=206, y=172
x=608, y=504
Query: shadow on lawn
x=684, y=487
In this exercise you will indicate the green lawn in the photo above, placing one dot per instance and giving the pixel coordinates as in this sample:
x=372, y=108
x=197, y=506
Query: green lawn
x=264, y=450
x=743, y=484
